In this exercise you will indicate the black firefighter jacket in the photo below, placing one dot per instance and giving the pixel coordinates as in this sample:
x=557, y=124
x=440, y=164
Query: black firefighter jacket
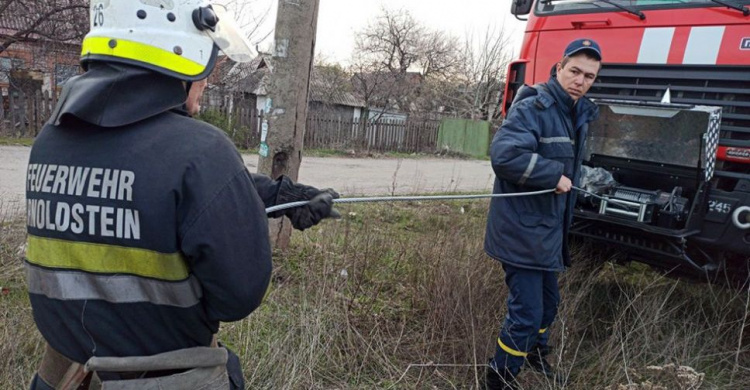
x=541, y=139
x=145, y=227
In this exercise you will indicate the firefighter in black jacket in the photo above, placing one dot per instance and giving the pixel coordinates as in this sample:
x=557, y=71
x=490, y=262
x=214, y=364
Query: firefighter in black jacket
x=145, y=228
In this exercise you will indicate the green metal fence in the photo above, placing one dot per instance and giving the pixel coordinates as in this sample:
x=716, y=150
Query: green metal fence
x=465, y=136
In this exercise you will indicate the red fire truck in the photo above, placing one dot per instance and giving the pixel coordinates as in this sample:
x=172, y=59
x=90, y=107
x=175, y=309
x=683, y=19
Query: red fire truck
x=699, y=51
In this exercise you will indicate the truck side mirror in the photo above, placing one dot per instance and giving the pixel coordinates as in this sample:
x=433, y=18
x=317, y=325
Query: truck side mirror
x=521, y=7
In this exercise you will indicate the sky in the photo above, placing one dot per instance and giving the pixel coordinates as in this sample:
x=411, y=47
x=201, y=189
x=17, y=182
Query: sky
x=339, y=20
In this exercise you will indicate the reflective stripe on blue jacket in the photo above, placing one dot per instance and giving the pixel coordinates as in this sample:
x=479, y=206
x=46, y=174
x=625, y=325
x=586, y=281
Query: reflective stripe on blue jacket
x=541, y=139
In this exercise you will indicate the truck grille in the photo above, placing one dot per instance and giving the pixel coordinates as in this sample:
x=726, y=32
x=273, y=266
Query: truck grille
x=724, y=86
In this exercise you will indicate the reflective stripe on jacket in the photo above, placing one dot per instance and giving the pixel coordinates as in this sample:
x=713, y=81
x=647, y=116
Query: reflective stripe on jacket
x=541, y=139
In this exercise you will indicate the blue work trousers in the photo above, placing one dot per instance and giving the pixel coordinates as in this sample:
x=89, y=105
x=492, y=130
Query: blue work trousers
x=533, y=297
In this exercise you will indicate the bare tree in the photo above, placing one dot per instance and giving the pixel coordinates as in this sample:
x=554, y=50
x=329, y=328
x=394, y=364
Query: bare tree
x=330, y=83
x=393, y=42
x=50, y=20
x=395, y=56
x=251, y=18
x=374, y=85
x=476, y=88
x=440, y=55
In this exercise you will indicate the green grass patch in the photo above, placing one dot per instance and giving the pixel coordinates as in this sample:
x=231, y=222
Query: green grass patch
x=375, y=154
x=13, y=141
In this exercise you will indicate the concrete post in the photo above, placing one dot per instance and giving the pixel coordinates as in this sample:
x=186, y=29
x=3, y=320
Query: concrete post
x=281, y=151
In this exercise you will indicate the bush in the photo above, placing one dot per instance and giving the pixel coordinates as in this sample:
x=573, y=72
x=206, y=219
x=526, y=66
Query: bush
x=240, y=136
x=216, y=118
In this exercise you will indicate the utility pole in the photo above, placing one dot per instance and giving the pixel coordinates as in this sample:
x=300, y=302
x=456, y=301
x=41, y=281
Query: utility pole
x=289, y=84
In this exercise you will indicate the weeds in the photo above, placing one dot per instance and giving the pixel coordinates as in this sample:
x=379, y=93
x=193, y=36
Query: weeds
x=358, y=153
x=16, y=141
x=401, y=296
x=20, y=344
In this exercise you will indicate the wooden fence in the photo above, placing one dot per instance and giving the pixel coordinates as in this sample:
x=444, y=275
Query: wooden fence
x=324, y=131
x=240, y=119
x=385, y=135
x=241, y=122
x=23, y=115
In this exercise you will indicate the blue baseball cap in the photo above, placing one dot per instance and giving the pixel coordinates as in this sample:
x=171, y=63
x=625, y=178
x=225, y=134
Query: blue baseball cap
x=583, y=44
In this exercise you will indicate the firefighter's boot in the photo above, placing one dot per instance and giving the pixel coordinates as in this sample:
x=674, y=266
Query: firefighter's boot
x=501, y=379
x=537, y=361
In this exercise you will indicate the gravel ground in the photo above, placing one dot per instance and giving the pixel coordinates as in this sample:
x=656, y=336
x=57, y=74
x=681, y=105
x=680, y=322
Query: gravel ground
x=349, y=176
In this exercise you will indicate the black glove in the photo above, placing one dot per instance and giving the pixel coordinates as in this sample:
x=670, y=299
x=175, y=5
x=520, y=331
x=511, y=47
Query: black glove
x=320, y=206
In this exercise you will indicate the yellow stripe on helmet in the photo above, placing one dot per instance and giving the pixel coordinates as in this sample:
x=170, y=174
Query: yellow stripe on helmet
x=140, y=52
x=102, y=258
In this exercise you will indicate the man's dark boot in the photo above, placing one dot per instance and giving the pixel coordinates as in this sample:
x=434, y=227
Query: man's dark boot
x=537, y=361
x=499, y=379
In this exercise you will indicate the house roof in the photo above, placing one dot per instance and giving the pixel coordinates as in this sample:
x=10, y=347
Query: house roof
x=252, y=77
x=320, y=92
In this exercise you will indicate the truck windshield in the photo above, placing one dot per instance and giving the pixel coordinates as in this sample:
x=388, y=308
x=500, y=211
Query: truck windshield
x=547, y=7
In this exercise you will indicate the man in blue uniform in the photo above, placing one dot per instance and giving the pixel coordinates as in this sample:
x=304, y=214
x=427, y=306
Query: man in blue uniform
x=145, y=228
x=539, y=146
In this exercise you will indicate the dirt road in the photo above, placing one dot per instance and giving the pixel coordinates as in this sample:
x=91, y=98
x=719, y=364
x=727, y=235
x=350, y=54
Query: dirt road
x=349, y=176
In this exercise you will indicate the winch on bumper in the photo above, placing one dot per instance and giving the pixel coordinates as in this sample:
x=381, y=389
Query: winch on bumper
x=652, y=167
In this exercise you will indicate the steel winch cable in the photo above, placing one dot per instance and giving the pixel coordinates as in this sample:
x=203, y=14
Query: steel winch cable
x=421, y=198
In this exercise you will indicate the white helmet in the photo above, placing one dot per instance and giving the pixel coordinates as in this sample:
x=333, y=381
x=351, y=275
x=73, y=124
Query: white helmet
x=179, y=38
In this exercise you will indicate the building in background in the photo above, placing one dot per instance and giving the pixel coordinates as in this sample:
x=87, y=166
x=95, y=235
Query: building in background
x=40, y=46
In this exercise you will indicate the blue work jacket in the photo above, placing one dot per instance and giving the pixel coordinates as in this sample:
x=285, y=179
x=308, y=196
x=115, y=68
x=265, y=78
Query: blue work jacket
x=541, y=139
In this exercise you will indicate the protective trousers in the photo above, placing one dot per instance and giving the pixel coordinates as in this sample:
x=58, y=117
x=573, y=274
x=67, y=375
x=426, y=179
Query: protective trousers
x=533, y=297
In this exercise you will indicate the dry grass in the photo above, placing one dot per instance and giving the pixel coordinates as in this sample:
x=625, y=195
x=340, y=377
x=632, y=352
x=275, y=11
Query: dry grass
x=20, y=343
x=401, y=296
